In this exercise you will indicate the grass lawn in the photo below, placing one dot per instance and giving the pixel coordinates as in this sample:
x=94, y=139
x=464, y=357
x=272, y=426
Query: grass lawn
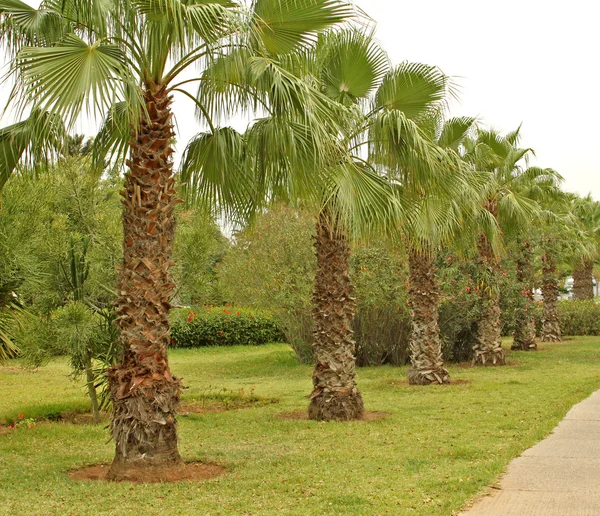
x=437, y=449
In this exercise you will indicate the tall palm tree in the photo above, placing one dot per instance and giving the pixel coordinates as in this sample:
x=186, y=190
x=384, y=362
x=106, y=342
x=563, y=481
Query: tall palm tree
x=509, y=199
x=351, y=200
x=442, y=204
x=346, y=196
x=560, y=240
x=587, y=216
x=525, y=331
x=545, y=190
x=125, y=60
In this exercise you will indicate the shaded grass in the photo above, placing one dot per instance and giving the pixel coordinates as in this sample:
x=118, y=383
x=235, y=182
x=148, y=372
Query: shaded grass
x=438, y=447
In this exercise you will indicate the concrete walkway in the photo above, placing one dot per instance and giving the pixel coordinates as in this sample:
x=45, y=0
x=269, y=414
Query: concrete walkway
x=559, y=476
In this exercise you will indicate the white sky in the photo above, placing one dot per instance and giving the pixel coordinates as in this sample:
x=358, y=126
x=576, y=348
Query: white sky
x=530, y=61
x=535, y=62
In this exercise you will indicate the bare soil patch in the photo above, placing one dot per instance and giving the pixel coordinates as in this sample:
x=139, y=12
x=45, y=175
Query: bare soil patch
x=190, y=472
x=303, y=416
x=397, y=381
x=469, y=365
x=459, y=382
x=202, y=406
x=80, y=418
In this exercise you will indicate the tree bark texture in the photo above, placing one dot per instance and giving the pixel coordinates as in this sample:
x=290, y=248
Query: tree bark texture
x=335, y=396
x=427, y=365
x=583, y=280
x=524, y=334
x=488, y=346
x=551, y=331
x=143, y=391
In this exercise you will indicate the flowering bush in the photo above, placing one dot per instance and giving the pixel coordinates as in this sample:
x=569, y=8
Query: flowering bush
x=223, y=326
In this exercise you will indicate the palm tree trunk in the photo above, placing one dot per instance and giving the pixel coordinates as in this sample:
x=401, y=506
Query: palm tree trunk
x=427, y=365
x=90, y=381
x=334, y=396
x=143, y=392
x=551, y=331
x=524, y=334
x=488, y=346
x=583, y=280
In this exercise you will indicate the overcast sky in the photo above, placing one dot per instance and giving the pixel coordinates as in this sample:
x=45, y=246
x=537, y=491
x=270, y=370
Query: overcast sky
x=535, y=62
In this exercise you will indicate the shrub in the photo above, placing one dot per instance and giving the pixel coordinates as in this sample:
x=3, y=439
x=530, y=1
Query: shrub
x=223, y=326
x=198, y=248
x=579, y=317
x=272, y=267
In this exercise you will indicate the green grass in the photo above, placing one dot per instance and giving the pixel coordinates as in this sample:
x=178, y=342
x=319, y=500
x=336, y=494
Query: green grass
x=437, y=449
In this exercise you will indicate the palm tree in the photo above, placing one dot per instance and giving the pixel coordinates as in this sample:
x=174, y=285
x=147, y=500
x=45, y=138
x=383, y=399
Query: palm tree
x=351, y=198
x=347, y=197
x=560, y=240
x=587, y=215
x=525, y=331
x=124, y=60
x=442, y=204
x=509, y=198
x=545, y=190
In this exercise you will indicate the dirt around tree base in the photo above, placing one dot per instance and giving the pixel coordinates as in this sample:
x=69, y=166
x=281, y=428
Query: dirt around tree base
x=190, y=472
x=303, y=416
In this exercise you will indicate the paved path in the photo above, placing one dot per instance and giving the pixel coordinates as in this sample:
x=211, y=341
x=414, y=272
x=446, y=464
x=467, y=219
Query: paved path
x=559, y=476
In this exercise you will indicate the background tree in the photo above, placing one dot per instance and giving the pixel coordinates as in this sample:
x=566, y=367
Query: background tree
x=586, y=212
x=442, y=202
x=508, y=199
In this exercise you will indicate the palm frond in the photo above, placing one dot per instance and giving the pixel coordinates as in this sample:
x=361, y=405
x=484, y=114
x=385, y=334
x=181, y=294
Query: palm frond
x=72, y=74
x=21, y=25
x=283, y=25
x=454, y=131
x=417, y=90
x=351, y=64
x=213, y=172
x=30, y=143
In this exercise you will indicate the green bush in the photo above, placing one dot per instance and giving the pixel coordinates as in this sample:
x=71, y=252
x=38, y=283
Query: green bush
x=223, y=326
x=272, y=267
x=579, y=317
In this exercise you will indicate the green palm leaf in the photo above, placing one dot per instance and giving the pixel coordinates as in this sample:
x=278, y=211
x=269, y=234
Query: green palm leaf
x=416, y=89
x=352, y=64
x=62, y=78
x=186, y=21
x=30, y=142
x=454, y=132
x=212, y=171
x=282, y=25
x=112, y=141
x=22, y=24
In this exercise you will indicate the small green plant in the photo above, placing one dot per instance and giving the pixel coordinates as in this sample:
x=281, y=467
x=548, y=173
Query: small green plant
x=22, y=422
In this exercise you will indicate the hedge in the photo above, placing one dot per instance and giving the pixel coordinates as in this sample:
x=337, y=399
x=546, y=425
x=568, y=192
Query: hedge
x=576, y=318
x=222, y=326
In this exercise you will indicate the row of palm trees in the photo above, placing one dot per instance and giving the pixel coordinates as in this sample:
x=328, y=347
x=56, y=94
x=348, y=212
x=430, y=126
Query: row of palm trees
x=363, y=144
